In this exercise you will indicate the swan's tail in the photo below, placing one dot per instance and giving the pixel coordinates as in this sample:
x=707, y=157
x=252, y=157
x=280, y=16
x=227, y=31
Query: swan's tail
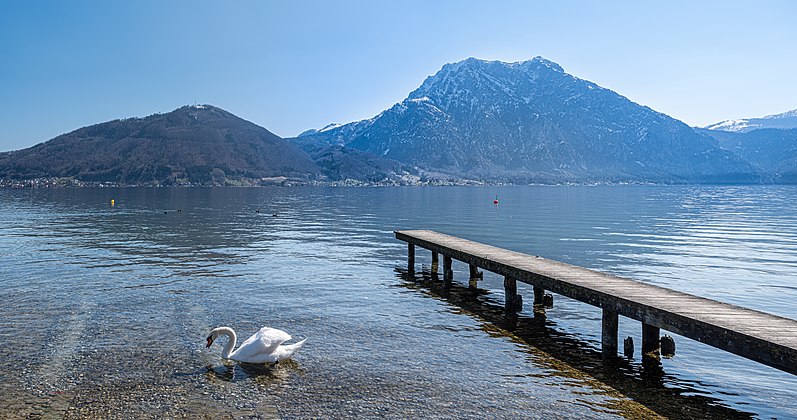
x=285, y=351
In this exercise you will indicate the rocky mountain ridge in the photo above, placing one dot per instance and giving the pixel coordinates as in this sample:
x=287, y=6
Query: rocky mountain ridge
x=531, y=122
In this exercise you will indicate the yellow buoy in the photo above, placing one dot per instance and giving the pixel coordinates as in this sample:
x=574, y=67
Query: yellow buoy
x=113, y=203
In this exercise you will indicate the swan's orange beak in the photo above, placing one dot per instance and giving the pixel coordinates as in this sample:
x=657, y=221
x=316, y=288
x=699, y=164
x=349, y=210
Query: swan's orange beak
x=210, y=341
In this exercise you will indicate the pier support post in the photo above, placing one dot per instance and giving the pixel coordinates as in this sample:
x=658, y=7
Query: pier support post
x=539, y=294
x=609, y=334
x=410, y=258
x=650, y=338
x=435, y=263
x=448, y=273
x=513, y=302
x=475, y=274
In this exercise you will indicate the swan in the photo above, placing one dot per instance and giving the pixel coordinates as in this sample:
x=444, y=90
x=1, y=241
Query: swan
x=264, y=346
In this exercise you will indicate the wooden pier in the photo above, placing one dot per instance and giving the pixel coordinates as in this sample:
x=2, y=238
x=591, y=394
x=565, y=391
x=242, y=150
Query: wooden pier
x=758, y=336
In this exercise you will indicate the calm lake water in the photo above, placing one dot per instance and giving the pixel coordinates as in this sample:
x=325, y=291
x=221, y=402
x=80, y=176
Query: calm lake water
x=105, y=309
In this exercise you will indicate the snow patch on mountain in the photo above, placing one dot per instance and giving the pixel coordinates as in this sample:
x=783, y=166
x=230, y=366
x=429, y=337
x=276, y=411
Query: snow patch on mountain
x=785, y=120
x=734, y=126
x=329, y=127
x=787, y=114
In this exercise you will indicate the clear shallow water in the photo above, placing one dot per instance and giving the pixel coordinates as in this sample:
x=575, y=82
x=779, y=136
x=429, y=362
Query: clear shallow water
x=105, y=309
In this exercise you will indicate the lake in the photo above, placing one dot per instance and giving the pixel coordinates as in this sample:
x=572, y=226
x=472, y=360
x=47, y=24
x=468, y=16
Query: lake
x=105, y=309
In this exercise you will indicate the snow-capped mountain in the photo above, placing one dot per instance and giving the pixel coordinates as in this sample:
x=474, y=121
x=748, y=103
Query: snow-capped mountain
x=785, y=120
x=532, y=122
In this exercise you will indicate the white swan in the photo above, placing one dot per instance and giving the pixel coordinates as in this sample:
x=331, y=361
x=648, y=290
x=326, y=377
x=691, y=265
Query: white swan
x=265, y=346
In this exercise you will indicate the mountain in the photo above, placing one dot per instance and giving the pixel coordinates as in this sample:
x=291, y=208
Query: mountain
x=532, y=122
x=339, y=163
x=784, y=120
x=199, y=144
x=773, y=150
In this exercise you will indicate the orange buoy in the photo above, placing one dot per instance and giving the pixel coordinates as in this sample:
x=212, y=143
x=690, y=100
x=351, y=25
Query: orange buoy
x=496, y=200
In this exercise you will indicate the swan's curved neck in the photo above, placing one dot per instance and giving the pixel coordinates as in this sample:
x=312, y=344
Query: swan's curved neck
x=231, y=341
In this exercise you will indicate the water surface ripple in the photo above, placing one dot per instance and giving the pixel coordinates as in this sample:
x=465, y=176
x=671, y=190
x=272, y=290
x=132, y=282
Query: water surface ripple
x=105, y=309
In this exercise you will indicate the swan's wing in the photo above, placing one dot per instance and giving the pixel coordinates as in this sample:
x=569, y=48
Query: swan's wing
x=260, y=344
x=287, y=350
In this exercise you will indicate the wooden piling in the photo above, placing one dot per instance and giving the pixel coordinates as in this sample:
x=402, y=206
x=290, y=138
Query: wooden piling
x=510, y=293
x=547, y=300
x=539, y=295
x=650, y=338
x=628, y=347
x=410, y=258
x=448, y=273
x=609, y=334
x=475, y=274
x=435, y=263
x=667, y=346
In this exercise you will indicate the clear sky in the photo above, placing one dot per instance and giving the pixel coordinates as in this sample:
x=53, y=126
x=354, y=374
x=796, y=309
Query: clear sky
x=294, y=65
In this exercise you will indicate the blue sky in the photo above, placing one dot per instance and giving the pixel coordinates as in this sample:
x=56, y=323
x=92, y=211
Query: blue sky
x=294, y=65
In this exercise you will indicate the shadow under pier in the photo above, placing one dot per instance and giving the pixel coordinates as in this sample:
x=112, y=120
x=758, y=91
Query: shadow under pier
x=645, y=383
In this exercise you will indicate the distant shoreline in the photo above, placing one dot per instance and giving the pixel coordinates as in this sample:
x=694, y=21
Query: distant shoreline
x=265, y=182
x=55, y=182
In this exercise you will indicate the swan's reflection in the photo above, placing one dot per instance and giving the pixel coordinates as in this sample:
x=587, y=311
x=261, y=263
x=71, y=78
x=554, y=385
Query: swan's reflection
x=261, y=373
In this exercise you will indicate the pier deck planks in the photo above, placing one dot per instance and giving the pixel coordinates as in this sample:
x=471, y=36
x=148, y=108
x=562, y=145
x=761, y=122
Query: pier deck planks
x=765, y=338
